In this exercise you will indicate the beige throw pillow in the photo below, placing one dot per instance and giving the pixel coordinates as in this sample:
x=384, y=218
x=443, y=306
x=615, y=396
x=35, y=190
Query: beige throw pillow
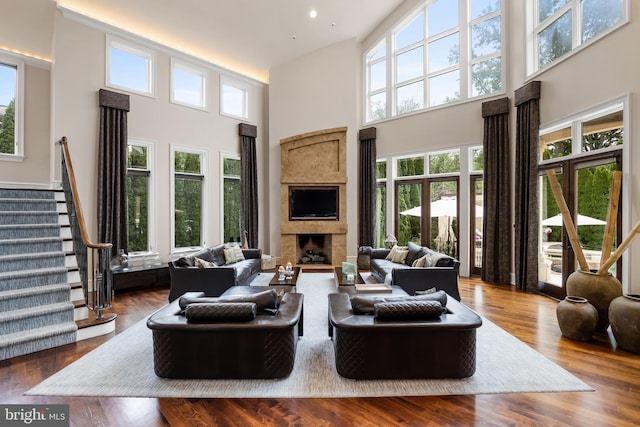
x=400, y=256
x=393, y=251
x=233, y=254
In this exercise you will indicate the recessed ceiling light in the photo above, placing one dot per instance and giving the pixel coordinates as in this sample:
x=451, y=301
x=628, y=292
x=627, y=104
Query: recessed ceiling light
x=313, y=13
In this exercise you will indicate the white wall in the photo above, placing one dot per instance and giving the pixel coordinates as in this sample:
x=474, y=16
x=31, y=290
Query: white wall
x=79, y=74
x=315, y=92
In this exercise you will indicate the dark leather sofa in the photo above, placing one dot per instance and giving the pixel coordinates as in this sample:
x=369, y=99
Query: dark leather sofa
x=187, y=277
x=405, y=348
x=442, y=273
x=260, y=347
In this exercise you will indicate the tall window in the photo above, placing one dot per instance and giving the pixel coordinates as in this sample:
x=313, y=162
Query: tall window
x=139, y=195
x=431, y=58
x=234, y=98
x=130, y=67
x=559, y=26
x=188, y=197
x=381, y=203
x=231, y=202
x=11, y=95
x=188, y=84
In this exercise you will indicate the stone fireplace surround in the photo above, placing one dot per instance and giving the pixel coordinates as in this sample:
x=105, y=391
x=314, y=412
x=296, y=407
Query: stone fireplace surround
x=314, y=159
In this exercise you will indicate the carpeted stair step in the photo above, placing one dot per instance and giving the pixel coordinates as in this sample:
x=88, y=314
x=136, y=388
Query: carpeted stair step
x=26, y=342
x=14, y=193
x=36, y=317
x=27, y=217
x=32, y=278
x=17, y=299
x=28, y=231
x=23, y=246
x=32, y=205
x=31, y=261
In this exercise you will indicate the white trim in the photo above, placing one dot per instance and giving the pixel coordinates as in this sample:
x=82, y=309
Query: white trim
x=133, y=49
x=18, y=155
x=239, y=85
x=77, y=16
x=197, y=71
x=204, y=216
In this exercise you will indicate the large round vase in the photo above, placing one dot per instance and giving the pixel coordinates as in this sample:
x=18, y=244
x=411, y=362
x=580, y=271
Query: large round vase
x=624, y=316
x=598, y=289
x=577, y=318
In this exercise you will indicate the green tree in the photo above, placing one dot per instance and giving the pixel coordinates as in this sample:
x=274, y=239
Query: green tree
x=7, y=131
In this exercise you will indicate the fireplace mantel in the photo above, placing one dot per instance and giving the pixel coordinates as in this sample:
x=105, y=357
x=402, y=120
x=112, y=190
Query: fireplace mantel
x=314, y=159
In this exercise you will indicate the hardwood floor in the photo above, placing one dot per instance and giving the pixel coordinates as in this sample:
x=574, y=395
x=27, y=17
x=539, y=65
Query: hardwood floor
x=614, y=373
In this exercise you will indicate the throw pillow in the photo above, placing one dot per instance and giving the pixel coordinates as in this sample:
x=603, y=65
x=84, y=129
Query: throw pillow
x=200, y=263
x=427, y=291
x=407, y=309
x=208, y=312
x=400, y=256
x=233, y=254
x=393, y=250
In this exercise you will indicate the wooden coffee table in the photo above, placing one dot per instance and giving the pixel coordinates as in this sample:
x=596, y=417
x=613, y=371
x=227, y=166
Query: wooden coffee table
x=341, y=279
x=291, y=281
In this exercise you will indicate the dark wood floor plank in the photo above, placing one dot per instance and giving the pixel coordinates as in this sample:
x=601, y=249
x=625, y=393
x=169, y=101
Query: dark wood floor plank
x=531, y=318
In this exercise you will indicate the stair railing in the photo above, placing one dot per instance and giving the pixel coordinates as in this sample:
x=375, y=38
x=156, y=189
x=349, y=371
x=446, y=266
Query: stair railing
x=93, y=258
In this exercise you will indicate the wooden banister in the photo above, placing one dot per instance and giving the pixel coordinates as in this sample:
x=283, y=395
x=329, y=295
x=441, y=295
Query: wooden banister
x=76, y=200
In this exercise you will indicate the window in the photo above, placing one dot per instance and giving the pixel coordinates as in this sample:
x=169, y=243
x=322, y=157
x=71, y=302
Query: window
x=381, y=203
x=234, y=98
x=443, y=163
x=560, y=26
x=431, y=58
x=412, y=166
x=231, y=201
x=188, y=84
x=11, y=112
x=130, y=67
x=139, y=195
x=188, y=197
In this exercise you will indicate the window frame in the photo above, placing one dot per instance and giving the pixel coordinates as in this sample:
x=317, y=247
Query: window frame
x=238, y=85
x=18, y=154
x=195, y=70
x=134, y=49
x=464, y=66
x=227, y=156
x=204, y=201
x=151, y=201
x=534, y=28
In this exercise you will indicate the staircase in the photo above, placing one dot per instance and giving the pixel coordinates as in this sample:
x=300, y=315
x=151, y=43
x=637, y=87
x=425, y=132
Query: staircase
x=41, y=298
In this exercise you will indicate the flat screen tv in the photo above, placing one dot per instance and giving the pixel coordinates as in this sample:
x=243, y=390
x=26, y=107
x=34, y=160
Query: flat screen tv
x=313, y=203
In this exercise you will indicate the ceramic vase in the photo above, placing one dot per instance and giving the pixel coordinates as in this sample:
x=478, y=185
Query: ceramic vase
x=624, y=316
x=598, y=289
x=120, y=261
x=577, y=318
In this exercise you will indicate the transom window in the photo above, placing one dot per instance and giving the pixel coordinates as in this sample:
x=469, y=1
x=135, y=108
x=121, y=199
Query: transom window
x=431, y=58
x=234, y=98
x=188, y=84
x=130, y=67
x=11, y=96
x=560, y=26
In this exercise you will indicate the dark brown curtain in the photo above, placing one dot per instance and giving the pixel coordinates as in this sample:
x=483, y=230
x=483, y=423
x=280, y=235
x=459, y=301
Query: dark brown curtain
x=367, y=187
x=112, y=170
x=526, y=190
x=249, y=184
x=496, y=244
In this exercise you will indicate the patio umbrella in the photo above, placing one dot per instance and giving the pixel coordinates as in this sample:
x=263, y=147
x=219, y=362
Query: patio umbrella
x=440, y=208
x=556, y=220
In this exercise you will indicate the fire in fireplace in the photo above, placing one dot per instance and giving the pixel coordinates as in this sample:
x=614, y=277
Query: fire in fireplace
x=314, y=249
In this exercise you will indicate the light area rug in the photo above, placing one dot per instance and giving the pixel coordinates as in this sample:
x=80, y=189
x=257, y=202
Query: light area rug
x=123, y=366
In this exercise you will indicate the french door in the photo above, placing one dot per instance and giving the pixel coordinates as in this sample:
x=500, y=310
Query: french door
x=586, y=186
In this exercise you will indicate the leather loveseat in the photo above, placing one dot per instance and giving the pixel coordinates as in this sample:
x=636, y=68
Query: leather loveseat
x=233, y=336
x=437, y=270
x=402, y=344
x=209, y=271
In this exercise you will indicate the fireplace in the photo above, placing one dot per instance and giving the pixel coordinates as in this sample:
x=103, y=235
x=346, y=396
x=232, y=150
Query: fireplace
x=313, y=249
x=313, y=194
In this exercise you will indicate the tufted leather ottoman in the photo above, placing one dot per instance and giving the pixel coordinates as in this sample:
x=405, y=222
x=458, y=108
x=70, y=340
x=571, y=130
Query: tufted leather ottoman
x=264, y=347
x=369, y=348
